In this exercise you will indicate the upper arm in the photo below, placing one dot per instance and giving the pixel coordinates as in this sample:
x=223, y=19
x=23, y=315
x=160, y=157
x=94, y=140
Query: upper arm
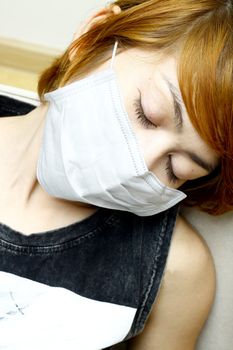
x=185, y=297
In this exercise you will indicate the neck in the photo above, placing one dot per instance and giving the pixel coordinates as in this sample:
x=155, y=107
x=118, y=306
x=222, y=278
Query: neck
x=21, y=193
x=19, y=146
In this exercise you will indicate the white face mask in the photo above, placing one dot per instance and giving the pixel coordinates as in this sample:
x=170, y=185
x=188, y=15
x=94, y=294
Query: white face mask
x=90, y=153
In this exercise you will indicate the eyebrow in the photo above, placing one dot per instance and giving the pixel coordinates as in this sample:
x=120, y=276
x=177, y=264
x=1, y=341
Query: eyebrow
x=202, y=163
x=178, y=119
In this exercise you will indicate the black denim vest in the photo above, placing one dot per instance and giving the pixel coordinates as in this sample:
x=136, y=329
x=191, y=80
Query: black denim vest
x=112, y=257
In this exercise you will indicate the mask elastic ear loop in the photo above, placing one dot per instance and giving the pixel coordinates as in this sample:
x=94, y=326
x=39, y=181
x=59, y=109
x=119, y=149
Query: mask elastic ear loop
x=114, y=54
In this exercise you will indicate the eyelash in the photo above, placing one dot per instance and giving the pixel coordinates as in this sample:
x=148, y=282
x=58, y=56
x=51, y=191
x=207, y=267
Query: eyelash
x=148, y=124
x=141, y=115
x=172, y=177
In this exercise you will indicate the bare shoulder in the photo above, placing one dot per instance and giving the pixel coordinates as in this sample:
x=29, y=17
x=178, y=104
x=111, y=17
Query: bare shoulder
x=185, y=297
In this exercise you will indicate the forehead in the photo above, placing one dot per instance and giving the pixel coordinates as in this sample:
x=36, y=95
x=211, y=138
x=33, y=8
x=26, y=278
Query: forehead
x=149, y=68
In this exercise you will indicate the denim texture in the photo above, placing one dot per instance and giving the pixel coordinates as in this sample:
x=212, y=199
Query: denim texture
x=10, y=107
x=112, y=256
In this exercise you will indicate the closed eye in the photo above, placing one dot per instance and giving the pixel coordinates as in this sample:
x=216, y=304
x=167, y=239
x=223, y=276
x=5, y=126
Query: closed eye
x=169, y=170
x=149, y=125
x=144, y=121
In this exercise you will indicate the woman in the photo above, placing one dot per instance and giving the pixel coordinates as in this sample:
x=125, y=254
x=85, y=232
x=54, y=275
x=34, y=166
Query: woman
x=136, y=113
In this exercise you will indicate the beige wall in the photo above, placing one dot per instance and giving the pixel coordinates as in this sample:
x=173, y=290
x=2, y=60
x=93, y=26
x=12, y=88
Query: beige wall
x=32, y=33
x=46, y=22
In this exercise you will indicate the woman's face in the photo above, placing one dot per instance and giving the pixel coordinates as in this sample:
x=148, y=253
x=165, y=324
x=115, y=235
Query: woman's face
x=171, y=147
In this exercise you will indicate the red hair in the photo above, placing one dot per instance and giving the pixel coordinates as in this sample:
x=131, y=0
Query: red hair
x=202, y=33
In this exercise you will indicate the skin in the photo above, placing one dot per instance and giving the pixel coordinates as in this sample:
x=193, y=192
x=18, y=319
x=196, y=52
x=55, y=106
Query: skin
x=188, y=285
x=185, y=297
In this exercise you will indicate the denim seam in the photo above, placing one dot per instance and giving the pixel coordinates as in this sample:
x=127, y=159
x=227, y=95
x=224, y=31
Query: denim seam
x=140, y=319
x=58, y=248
